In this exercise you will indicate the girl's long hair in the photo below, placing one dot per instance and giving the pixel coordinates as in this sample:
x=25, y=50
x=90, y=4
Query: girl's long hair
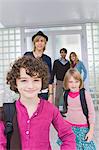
x=71, y=62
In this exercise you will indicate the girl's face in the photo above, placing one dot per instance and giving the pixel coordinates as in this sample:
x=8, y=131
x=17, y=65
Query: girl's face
x=28, y=86
x=40, y=44
x=73, y=84
x=73, y=57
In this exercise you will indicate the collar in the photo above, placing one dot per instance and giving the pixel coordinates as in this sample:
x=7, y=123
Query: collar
x=73, y=94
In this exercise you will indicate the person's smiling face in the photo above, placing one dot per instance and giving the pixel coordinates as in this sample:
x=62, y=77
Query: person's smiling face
x=73, y=57
x=28, y=86
x=40, y=43
x=63, y=54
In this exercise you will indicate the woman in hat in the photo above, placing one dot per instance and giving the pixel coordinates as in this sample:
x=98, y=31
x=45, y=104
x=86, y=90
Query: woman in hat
x=39, y=41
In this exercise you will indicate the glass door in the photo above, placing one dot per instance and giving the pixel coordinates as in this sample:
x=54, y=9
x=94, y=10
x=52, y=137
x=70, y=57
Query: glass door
x=72, y=42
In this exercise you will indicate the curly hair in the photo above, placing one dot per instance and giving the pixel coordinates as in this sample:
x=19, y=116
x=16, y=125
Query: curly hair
x=33, y=66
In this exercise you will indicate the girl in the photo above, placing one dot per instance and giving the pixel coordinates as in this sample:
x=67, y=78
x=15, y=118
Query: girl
x=75, y=115
x=34, y=116
x=39, y=41
x=76, y=63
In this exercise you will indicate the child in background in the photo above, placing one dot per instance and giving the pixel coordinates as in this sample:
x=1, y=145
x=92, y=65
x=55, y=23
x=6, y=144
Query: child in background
x=75, y=116
x=34, y=116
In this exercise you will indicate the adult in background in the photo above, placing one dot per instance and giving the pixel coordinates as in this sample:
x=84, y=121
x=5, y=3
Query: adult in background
x=60, y=67
x=39, y=41
x=78, y=64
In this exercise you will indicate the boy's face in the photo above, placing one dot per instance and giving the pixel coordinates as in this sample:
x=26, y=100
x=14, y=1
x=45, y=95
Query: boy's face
x=73, y=84
x=28, y=86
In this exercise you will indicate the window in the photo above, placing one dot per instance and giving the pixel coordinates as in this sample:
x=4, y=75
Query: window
x=10, y=49
x=93, y=59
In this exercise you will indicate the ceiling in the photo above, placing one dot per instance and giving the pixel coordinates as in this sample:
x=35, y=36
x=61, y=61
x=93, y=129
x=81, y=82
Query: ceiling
x=38, y=13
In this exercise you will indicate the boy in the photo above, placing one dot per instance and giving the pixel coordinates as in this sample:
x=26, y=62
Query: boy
x=34, y=116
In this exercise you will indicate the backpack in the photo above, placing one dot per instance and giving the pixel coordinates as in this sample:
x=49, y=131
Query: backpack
x=82, y=100
x=11, y=126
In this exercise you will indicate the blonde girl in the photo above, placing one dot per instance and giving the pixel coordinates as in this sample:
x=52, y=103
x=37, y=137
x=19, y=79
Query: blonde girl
x=75, y=116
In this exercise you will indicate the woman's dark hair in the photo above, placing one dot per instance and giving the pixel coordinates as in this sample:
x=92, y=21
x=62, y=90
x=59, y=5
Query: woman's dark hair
x=33, y=66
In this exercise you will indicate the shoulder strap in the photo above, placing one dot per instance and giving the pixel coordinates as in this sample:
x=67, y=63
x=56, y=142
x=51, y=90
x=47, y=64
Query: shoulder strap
x=82, y=100
x=65, y=100
x=83, y=103
x=1, y=114
x=15, y=142
x=11, y=126
x=9, y=111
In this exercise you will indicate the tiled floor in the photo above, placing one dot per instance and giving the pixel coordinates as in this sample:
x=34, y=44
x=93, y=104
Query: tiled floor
x=53, y=135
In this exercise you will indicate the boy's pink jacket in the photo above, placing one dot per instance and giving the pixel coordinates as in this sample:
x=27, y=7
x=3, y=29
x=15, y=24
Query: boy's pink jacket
x=34, y=131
